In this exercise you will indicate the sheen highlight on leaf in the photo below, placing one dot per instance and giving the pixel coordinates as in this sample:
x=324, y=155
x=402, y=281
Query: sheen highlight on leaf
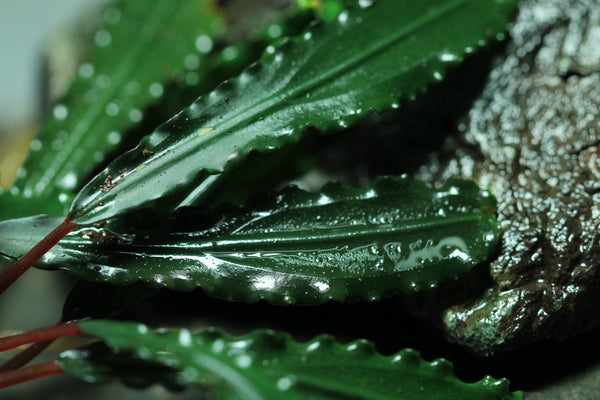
x=330, y=77
x=268, y=365
x=343, y=243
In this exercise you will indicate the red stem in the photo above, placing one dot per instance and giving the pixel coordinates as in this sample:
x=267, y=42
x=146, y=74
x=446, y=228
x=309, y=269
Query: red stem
x=32, y=256
x=26, y=374
x=25, y=356
x=39, y=335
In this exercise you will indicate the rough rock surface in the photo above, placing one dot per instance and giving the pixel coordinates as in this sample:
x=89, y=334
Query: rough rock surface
x=533, y=139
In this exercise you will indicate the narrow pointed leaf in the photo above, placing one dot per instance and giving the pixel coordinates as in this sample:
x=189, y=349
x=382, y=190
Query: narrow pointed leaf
x=329, y=77
x=269, y=365
x=139, y=47
x=293, y=247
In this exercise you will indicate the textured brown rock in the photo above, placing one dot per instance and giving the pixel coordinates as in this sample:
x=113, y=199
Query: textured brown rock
x=533, y=139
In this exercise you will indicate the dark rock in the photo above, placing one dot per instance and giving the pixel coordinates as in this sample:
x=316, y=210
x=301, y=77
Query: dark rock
x=533, y=139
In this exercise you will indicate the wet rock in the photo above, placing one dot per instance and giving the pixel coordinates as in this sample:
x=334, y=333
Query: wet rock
x=533, y=139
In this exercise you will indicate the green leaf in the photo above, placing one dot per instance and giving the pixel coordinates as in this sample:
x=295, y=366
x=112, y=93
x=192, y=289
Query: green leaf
x=139, y=47
x=269, y=365
x=330, y=77
x=292, y=247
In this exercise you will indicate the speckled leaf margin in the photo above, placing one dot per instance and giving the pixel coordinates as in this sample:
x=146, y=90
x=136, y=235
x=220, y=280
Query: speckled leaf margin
x=268, y=365
x=342, y=243
x=330, y=77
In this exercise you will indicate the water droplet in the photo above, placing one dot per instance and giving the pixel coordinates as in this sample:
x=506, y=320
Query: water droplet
x=244, y=361
x=448, y=57
x=98, y=156
x=112, y=109
x=313, y=346
x=114, y=137
x=321, y=286
x=437, y=76
x=35, y=145
x=191, y=61
x=56, y=144
x=102, y=38
x=14, y=190
x=135, y=115
x=86, y=70
x=365, y=3
x=156, y=89
x=307, y=36
x=60, y=112
x=230, y=53
x=185, y=337
x=343, y=17
x=274, y=31
x=134, y=87
x=68, y=181
x=204, y=44
x=270, y=49
x=27, y=192
x=218, y=345
x=112, y=15
x=142, y=329
x=102, y=81
x=192, y=78
x=285, y=383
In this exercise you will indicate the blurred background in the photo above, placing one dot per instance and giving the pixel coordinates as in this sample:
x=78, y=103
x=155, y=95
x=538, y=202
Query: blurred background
x=26, y=27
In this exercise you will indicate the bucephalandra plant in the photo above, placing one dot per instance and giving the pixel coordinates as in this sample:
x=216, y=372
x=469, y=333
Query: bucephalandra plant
x=145, y=216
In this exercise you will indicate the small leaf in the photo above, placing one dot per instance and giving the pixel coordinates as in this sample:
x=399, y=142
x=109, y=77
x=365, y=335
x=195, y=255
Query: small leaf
x=268, y=365
x=139, y=47
x=291, y=247
x=330, y=77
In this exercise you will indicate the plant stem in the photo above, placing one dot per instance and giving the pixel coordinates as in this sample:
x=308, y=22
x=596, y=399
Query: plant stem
x=32, y=256
x=39, y=335
x=22, y=375
x=25, y=356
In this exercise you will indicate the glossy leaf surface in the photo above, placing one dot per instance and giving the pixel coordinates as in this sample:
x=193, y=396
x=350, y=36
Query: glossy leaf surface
x=268, y=365
x=139, y=47
x=292, y=247
x=330, y=77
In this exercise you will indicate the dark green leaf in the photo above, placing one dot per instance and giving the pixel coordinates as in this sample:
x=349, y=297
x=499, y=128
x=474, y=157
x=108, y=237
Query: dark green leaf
x=139, y=47
x=292, y=247
x=330, y=77
x=268, y=365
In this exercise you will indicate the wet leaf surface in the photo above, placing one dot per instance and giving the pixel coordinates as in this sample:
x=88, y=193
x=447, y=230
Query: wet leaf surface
x=342, y=243
x=330, y=77
x=268, y=365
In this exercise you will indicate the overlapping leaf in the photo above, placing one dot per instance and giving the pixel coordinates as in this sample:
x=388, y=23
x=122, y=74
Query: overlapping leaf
x=290, y=247
x=268, y=365
x=330, y=77
x=138, y=48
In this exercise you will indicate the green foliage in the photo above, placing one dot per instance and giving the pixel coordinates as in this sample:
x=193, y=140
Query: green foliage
x=138, y=49
x=330, y=77
x=268, y=365
x=291, y=247
x=343, y=243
